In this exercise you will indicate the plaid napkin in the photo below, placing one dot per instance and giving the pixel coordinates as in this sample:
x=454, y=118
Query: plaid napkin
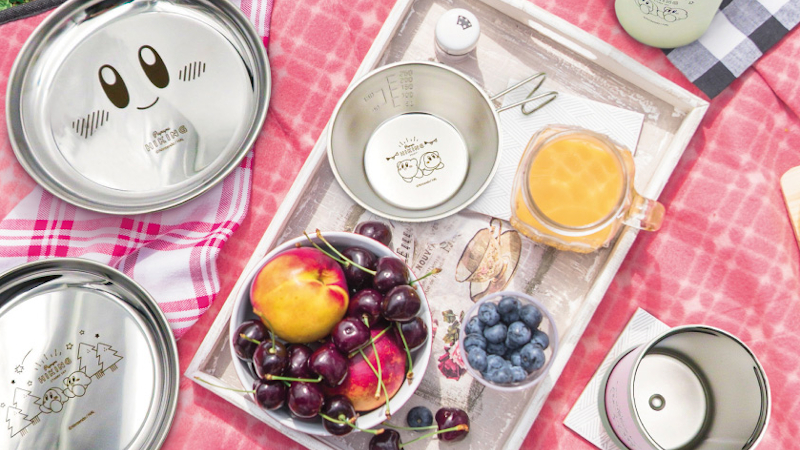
x=18, y=10
x=739, y=34
x=171, y=253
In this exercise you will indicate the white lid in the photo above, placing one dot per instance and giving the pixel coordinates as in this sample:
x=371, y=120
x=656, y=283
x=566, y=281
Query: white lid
x=457, y=32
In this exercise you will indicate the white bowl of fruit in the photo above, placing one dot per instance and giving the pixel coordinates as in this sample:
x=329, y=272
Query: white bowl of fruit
x=306, y=318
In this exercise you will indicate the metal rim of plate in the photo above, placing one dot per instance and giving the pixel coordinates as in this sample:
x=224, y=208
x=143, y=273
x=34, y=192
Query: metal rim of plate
x=51, y=153
x=100, y=329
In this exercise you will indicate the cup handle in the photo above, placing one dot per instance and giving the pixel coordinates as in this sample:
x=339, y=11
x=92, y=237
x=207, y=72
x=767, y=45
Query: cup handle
x=645, y=214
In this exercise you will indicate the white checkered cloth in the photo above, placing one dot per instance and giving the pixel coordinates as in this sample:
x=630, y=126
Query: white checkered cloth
x=739, y=34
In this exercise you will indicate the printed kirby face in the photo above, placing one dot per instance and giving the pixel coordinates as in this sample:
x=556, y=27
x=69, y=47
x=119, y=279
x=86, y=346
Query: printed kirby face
x=408, y=169
x=137, y=107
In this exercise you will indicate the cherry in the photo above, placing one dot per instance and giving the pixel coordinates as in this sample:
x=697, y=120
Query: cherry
x=269, y=394
x=253, y=330
x=388, y=440
x=350, y=334
x=375, y=230
x=305, y=399
x=297, y=366
x=270, y=357
x=357, y=277
x=329, y=363
x=366, y=304
x=341, y=408
x=449, y=418
x=389, y=272
x=401, y=304
x=415, y=333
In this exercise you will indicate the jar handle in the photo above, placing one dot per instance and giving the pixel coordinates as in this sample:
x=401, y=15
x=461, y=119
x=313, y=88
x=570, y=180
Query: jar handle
x=645, y=214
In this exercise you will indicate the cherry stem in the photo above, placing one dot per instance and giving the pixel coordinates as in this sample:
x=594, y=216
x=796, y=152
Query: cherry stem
x=380, y=380
x=432, y=272
x=342, y=420
x=380, y=371
x=347, y=261
x=410, y=374
x=266, y=322
x=270, y=377
x=371, y=340
x=249, y=339
x=460, y=427
x=225, y=387
x=429, y=427
x=322, y=250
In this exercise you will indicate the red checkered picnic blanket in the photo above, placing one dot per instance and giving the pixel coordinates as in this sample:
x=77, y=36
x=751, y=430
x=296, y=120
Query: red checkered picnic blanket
x=172, y=254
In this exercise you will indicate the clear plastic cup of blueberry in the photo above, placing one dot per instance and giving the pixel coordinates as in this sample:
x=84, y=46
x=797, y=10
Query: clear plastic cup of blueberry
x=508, y=341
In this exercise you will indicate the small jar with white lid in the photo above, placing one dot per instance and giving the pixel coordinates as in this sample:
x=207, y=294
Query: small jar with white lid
x=456, y=35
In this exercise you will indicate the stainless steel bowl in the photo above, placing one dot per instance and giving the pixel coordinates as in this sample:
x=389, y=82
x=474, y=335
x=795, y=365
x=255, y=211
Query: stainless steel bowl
x=414, y=141
x=134, y=106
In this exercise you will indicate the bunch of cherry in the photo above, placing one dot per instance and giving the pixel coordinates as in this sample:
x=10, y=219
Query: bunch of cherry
x=382, y=299
x=452, y=424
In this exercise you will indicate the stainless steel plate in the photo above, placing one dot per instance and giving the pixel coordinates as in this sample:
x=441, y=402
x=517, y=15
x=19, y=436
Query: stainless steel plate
x=127, y=107
x=87, y=360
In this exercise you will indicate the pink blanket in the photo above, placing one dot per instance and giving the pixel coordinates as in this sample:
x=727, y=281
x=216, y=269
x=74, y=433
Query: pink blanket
x=725, y=257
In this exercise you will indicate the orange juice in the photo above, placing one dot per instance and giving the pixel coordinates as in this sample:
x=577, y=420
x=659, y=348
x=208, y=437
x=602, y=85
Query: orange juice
x=575, y=182
x=573, y=191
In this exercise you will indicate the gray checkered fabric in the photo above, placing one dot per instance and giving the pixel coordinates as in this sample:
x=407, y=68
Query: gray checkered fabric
x=24, y=10
x=740, y=33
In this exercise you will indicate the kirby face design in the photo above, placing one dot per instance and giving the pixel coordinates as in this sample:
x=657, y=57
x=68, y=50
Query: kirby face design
x=53, y=401
x=140, y=110
x=668, y=14
x=76, y=384
x=115, y=88
x=408, y=169
x=413, y=168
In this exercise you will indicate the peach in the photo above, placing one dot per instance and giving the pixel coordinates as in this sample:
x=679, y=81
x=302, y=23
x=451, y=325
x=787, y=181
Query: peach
x=360, y=384
x=300, y=294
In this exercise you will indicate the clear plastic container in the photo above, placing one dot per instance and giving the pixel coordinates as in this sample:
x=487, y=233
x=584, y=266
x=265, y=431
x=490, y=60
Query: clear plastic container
x=548, y=326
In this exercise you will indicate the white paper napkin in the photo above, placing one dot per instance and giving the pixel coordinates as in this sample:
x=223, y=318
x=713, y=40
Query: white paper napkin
x=620, y=124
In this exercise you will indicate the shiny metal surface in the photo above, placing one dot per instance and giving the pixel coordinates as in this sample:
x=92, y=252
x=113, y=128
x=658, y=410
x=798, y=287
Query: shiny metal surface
x=127, y=107
x=420, y=89
x=693, y=387
x=87, y=360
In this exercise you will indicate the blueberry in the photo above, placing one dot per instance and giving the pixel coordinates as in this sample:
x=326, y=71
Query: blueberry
x=474, y=326
x=419, y=416
x=507, y=305
x=510, y=318
x=496, y=349
x=495, y=334
x=474, y=340
x=493, y=362
x=500, y=376
x=530, y=316
x=514, y=357
x=487, y=313
x=477, y=358
x=532, y=357
x=518, y=335
x=541, y=339
x=518, y=374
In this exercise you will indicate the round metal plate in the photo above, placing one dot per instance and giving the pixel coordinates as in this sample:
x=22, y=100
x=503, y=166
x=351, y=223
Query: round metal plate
x=87, y=360
x=128, y=107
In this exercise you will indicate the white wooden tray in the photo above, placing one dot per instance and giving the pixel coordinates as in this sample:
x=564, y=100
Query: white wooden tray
x=517, y=39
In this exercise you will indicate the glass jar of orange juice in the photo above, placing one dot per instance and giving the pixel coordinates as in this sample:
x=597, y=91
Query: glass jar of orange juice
x=574, y=190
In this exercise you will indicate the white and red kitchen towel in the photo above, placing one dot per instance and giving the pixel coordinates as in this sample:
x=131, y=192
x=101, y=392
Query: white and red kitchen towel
x=172, y=254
